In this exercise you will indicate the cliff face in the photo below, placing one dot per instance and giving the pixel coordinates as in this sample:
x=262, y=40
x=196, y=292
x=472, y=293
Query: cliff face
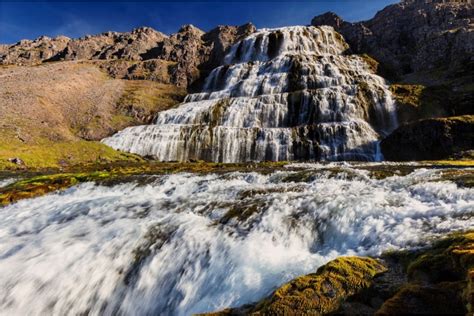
x=140, y=54
x=412, y=36
x=430, y=139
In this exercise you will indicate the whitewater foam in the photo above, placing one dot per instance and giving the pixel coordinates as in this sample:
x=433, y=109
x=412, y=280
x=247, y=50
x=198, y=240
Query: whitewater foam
x=172, y=246
x=6, y=181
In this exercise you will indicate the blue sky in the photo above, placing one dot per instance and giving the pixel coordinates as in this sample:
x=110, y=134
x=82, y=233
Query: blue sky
x=19, y=19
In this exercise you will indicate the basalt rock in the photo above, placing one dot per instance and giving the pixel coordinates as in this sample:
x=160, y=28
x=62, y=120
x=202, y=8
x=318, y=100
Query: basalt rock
x=430, y=139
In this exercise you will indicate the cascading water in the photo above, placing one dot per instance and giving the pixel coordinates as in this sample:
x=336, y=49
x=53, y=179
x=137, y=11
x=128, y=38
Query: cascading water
x=184, y=243
x=283, y=94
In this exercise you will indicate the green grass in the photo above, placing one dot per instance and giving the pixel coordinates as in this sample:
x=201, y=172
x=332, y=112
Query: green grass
x=48, y=154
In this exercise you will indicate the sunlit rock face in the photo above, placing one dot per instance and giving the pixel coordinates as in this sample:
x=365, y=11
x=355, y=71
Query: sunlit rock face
x=283, y=94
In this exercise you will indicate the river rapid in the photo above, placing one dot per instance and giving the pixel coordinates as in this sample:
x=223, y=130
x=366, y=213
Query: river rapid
x=187, y=243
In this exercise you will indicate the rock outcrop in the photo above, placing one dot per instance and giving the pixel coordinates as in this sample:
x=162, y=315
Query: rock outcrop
x=430, y=139
x=412, y=35
x=143, y=53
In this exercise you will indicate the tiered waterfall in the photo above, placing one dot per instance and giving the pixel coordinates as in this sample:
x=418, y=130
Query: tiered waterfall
x=291, y=93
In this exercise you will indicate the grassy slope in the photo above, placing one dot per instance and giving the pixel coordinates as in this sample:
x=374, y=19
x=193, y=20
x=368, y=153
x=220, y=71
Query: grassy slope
x=52, y=115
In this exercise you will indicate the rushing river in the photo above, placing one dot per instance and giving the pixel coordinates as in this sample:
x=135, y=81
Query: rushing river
x=186, y=243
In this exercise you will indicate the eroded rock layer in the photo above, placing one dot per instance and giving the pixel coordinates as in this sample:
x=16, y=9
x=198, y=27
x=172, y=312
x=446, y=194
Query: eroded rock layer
x=282, y=94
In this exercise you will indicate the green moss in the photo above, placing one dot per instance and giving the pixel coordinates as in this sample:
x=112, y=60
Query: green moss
x=141, y=99
x=428, y=300
x=40, y=185
x=323, y=291
x=49, y=154
x=440, y=278
x=455, y=253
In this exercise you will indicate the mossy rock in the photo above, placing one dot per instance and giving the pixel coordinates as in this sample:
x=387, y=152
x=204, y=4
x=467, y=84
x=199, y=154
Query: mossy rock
x=448, y=260
x=430, y=139
x=440, y=279
x=322, y=292
x=427, y=300
x=35, y=185
x=40, y=185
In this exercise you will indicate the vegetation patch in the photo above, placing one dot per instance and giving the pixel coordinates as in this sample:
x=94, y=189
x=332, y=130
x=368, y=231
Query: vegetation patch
x=440, y=278
x=142, y=99
x=58, y=155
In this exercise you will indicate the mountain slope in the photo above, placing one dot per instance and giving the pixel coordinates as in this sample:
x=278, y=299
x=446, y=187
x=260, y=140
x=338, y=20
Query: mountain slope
x=68, y=102
x=180, y=57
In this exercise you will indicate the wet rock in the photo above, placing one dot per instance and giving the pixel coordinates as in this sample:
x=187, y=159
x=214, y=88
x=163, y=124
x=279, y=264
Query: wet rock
x=318, y=293
x=16, y=161
x=440, y=279
x=366, y=286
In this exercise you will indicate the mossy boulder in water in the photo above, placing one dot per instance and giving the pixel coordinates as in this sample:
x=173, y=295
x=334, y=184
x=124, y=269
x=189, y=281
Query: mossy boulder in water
x=317, y=293
x=323, y=291
x=434, y=280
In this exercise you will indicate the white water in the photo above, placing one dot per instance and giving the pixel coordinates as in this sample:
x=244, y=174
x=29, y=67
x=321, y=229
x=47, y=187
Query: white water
x=283, y=94
x=73, y=252
x=7, y=181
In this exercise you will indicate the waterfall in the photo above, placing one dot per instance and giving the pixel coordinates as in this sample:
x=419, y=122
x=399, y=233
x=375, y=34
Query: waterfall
x=283, y=94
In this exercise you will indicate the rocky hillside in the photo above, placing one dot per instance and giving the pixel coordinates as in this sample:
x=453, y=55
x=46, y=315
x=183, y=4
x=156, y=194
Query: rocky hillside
x=412, y=35
x=57, y=93
x=143, y=53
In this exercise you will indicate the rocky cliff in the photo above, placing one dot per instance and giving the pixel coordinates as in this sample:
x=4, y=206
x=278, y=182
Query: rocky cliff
x=413, y=35
x=143, y=53
x=430, y=139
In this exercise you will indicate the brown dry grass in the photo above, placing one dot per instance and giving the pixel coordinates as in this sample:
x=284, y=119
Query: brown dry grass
x=68, y=102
